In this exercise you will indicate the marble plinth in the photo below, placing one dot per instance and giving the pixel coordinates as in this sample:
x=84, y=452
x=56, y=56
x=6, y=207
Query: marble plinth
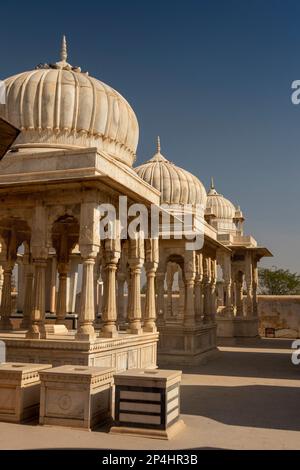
x=186, y=346
x=76, y=396
x=123, y=352
x=20, y=391
x=147, y=402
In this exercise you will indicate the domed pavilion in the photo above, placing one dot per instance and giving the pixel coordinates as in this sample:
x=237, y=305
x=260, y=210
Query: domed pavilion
x=73, y=293
x=75, y=151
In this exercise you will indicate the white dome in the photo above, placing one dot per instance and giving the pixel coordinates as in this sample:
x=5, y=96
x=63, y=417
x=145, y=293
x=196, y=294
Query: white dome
x=59, y=106
x=219, y=206
x=222, y=209
x=177, y=186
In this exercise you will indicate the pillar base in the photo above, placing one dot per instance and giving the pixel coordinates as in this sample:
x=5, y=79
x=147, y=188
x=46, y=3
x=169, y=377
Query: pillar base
x=150, y=329
x=35, y=335
x=85, y=336
x=135, y=331
x=108, y=334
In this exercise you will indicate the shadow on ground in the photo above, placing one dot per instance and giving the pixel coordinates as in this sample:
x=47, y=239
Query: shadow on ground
x=253, y=406
x=246, y=362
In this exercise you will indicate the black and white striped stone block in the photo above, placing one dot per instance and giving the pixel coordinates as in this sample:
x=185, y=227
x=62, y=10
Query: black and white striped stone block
x=148, y=399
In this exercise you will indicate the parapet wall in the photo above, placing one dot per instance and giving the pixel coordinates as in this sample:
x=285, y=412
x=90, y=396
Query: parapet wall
x=281, y=312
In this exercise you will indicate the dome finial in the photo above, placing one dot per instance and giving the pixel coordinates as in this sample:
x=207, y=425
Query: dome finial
x=63, y=51
x=158, y=144
x=212, y=190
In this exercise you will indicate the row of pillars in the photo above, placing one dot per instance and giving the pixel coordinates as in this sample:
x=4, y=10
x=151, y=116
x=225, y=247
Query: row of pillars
x=35, y=287
x=233, y=287
x=199, y=293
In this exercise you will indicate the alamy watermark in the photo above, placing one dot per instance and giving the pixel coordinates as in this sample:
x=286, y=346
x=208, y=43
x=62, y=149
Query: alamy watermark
x=296, y=353
x=166, y=221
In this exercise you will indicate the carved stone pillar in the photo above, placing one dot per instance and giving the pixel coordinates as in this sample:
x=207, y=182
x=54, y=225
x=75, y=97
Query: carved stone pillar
x=135, y=309
x=61, y=309
x=169, y=282
x=249, y=298
x=213, y=286
x=1, y=282
x=239, y=295
x=28, y=289
x=37, y=321
x=135, y=261
x=189, y=312
x=87, y=307
x=121, y=277
x=189, y=281
x=151, y=264
x=39, y=252
x=255, y=284
x=227, y=286
x=6, y=301
x=181, y=300
x=21, y=283
x=249, y=285
x=160, y=299
x=207, y=290
x=100, y=294
x=199, y=288
x=89, y=242
x=109, y=314
x=53, y=285
x=72, y=282
x=150, y=306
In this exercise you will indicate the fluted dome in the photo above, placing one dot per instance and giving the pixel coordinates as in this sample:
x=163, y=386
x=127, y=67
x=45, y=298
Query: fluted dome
x=177, y=186
x=59, y=106
x=219, y=206
x=223, y=211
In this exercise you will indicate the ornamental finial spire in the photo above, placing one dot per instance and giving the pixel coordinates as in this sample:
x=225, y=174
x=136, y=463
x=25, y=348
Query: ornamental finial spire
x=158, y=144
x=212, y=185
x=63, y=52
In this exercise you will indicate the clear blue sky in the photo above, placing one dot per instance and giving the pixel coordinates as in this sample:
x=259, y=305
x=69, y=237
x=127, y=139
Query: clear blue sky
x=211, y=77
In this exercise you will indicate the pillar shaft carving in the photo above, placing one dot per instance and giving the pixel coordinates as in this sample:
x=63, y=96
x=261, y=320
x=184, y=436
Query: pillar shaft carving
x=109, y=314
x=199, y=288
x=189, y=281
x=151, y=264
x=207, y=289
x=28, y=291
x=135, y=260
x=6, y=301
x=61, y=309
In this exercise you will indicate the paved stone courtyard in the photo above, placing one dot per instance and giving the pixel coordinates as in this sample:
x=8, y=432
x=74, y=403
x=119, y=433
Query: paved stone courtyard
x=245, y=398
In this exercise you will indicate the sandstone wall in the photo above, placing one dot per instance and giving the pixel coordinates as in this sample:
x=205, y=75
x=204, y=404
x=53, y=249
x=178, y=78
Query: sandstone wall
x=281, y=312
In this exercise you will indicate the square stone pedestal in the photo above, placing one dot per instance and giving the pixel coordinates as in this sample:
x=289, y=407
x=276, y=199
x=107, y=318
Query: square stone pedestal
x=76, y=396
x=237, y=327
x=20, y=391
x=147, y=403
x=182, y=346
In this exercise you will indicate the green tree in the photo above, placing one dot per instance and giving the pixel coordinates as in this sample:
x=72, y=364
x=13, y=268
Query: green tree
x=276, y=281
